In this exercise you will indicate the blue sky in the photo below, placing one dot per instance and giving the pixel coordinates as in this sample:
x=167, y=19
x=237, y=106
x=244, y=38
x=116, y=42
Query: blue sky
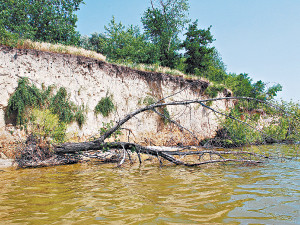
x=258, y=37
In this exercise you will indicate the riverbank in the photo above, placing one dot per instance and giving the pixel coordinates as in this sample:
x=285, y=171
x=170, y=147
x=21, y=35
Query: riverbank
x=5, y=163
x=88, y=81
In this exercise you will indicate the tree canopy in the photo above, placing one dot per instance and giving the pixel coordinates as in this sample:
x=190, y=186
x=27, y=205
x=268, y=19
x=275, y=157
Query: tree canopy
x=198, y=54
x=163, y=22
x=123, y=44
x=41, y=20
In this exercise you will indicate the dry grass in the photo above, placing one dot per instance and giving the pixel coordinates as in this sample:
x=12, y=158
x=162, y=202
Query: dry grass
x=161, y=69
x=152, y=68
x=59, y=48
x=63, y=49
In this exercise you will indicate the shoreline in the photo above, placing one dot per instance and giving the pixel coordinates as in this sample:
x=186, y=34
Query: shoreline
x=5, y=163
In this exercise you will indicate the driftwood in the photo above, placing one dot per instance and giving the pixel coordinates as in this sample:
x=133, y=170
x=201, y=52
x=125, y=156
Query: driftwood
x=94, y=145
x=170, y=156
x=177, y=157
x=37, y=153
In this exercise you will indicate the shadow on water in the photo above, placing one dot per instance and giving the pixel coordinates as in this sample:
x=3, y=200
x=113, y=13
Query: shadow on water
x=103, y=194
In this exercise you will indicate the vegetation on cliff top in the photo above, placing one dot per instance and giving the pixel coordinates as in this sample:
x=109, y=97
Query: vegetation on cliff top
x=159, y=44
x=43, y=20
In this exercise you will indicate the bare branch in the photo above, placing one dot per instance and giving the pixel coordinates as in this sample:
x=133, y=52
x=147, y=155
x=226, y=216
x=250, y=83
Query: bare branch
x=231, y=117
x=177, y=124
x=157, y=105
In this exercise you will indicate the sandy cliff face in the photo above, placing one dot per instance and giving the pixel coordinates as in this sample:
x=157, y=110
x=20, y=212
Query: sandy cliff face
x=88, y=80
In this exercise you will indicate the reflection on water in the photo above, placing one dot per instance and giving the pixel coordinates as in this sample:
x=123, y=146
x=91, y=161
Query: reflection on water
x=102, y=194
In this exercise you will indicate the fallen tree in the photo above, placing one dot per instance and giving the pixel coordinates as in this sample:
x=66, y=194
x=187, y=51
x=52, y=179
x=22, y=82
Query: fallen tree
x=184, y=155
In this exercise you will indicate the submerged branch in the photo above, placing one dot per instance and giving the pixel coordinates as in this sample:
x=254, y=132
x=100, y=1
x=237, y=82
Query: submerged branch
x=170, y=155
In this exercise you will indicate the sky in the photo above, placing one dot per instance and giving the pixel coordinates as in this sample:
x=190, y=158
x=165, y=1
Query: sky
x=257, y=37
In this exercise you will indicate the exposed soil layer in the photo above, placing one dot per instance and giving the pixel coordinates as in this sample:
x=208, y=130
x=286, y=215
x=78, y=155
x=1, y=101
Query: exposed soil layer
x=115, y=70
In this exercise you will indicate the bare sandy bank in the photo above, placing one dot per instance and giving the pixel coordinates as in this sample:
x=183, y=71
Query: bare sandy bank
x=4, y=163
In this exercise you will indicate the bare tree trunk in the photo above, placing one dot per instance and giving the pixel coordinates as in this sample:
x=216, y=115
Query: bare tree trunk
x=94, y=145
x=167, y=155
x=177, y=156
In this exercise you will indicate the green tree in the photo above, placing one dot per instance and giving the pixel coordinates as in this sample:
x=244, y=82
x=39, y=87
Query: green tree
x=41, y=20
x=163, y=22
x=7, y=38
x=199, y=56
x=123, y=44
x=242, y=85
x=215, y=69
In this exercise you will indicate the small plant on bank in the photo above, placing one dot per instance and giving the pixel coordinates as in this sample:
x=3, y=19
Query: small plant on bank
x=108, y=126
x=105, y=106
x=25, y=96
x=45, y=124
x=149, y=100
x=62, y=106
x=80, y=116
x=213, y=89
x=166, y=115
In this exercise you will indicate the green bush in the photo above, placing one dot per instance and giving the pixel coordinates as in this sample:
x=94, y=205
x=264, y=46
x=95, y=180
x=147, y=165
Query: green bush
x=105, y=106
x=7, y=38
x=237, y=133
x=80, y=116
x=45, y=124
x=108, y=126
x=62, y=106
x=213, y=90
x=166, y=115
x=276, y=125
x=28, y=97
x=25, y=96
x=149, y=100
x=285, y=124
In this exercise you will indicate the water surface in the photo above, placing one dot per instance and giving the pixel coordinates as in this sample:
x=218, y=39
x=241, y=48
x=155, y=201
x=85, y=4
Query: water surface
x=149, y=194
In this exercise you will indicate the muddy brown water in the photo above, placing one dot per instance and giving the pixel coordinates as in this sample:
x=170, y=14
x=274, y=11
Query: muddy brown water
x=91, y=193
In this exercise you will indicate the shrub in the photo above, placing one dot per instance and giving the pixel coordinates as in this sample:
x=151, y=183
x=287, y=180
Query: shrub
x=108, y=126
x=105, y=106
x=80, y=116
x=25, y=96
x=61, y=105
x=166, y=115
x=213, y=89
x=149, y=100
x=285, y=124
x=7, y=38
x=45, y=124
x=237, y=133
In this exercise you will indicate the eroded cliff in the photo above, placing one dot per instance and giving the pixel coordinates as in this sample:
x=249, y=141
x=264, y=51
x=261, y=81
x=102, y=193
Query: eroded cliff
x=88, y=80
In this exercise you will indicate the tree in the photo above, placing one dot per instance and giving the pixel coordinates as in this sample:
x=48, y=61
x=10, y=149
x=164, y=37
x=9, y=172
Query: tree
x=41, y=20
x=163, y=22
x=123, y=44
x=216, y=69
x=198, y=53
